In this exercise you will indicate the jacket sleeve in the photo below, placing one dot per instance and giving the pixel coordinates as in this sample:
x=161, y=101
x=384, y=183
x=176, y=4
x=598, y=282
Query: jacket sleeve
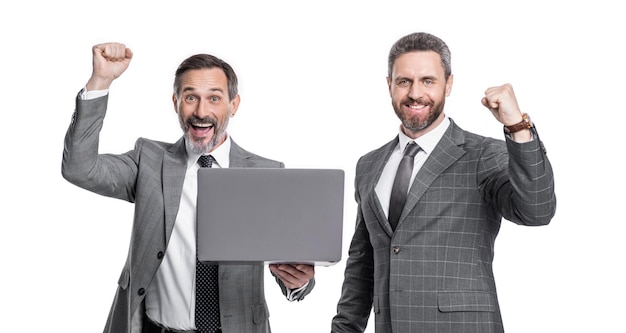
x=357, y=293
x=82, y=165
x=295, y=295
x=523, y=191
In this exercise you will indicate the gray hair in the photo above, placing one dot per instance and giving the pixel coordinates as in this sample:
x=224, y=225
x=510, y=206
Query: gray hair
x=206, y=61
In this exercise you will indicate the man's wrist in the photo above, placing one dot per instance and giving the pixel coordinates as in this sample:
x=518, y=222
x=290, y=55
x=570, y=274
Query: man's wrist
x=524, y=124
x=93, y=94
x=294, y=294
x=522, y=136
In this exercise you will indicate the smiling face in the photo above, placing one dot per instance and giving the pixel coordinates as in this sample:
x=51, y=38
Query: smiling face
x=204, y=108
x=418, y=90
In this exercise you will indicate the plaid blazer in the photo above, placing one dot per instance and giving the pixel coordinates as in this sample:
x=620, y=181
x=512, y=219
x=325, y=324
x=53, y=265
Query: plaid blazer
x=434, y=273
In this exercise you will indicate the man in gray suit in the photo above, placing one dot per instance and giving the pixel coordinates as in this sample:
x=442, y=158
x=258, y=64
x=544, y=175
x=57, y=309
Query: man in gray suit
x=156, y=290
x=421, y=256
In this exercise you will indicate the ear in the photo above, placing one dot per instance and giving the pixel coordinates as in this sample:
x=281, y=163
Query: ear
x=175, y=101
x=449, y=85
x=234, y=105
x=389, y=84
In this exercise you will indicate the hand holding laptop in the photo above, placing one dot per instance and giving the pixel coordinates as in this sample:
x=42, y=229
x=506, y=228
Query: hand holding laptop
x=294, y=276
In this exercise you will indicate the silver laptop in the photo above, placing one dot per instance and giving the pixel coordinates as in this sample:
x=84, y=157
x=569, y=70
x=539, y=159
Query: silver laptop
x=280, y=215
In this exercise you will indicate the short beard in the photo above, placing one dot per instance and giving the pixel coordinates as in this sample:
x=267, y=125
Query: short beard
x=413, y=124
x=219, y=133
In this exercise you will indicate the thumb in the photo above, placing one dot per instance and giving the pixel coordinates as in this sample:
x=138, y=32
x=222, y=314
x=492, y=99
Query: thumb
x=491, y=105
x=485, y=102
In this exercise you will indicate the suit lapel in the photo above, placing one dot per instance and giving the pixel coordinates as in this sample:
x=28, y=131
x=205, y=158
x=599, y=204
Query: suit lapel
x=174, y=168
x=380, y=158
x=446, y=153
x=239, y=158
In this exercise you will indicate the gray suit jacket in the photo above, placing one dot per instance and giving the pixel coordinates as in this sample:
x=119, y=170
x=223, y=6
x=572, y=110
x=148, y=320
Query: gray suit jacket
x=434, y=273
x=151, y=176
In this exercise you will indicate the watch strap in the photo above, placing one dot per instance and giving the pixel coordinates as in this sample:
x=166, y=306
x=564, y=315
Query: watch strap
x=522, y=125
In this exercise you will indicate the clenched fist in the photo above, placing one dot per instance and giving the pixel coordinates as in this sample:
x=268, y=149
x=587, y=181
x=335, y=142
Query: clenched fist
x=503, y=105
x=110, y=60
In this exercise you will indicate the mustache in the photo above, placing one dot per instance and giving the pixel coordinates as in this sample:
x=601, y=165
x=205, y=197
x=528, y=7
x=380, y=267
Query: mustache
x=197, y=121
x=420, y=100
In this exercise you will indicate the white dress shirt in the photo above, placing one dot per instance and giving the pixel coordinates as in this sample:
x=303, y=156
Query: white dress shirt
x=171, y=297
x=427, y=143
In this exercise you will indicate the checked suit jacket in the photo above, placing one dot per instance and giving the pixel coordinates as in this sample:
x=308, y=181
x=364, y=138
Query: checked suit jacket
x=434, y=273
x=151, y=176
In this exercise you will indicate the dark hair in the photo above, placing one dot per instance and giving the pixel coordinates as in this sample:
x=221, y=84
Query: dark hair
x=202, y=61
x=421, y=41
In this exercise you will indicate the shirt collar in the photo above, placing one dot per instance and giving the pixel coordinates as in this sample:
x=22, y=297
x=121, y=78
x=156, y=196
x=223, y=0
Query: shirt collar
x=428, y=141
x=221, y=154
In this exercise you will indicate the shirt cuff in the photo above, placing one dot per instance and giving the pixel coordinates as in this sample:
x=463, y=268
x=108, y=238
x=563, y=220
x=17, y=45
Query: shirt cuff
x=294, y=294
x=87, y=95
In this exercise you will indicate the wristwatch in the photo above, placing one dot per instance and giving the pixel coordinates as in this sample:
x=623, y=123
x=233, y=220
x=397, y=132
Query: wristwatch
x=522, y=125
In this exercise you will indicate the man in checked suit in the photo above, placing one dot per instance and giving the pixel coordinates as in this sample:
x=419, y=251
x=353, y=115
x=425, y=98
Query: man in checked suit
x=156, y=291
x=432, y=271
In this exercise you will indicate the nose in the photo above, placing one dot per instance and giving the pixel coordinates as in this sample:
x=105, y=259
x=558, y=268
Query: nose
x=415, y=91
x=202, y=109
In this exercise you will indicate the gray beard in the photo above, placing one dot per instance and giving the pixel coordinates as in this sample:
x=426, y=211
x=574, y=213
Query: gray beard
x=198, y=149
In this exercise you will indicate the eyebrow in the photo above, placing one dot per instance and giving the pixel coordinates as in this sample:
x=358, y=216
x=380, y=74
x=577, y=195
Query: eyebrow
x=398, y=78
x=185, y=89
x=420, y=79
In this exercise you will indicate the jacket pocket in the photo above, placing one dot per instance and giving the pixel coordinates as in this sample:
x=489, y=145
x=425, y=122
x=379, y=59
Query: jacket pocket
x=454, y=301
x=260, y=313
x=124, y=279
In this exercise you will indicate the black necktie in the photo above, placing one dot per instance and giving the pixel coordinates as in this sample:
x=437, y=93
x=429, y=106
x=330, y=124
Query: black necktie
x=401, y=184
x=207, y=291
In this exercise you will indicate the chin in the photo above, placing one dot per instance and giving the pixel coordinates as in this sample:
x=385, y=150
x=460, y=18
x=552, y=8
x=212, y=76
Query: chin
x=198, y=147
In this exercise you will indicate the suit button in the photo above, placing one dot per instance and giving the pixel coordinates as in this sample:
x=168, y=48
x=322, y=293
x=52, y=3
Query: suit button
x=395, y=250
x=160, y=255
x=141, y=291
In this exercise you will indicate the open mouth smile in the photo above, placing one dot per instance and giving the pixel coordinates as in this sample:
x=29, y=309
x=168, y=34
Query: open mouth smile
x=201, y=129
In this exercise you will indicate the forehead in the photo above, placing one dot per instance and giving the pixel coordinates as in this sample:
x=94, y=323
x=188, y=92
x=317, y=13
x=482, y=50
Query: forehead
x=418, y=63
x=204, y=79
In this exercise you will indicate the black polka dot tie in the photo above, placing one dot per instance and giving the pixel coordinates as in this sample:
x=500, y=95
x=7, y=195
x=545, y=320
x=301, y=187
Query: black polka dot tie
x=207, y=289
x=206, y=161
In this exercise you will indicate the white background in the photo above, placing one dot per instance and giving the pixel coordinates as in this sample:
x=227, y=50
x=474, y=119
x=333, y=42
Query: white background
x=313, y=94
